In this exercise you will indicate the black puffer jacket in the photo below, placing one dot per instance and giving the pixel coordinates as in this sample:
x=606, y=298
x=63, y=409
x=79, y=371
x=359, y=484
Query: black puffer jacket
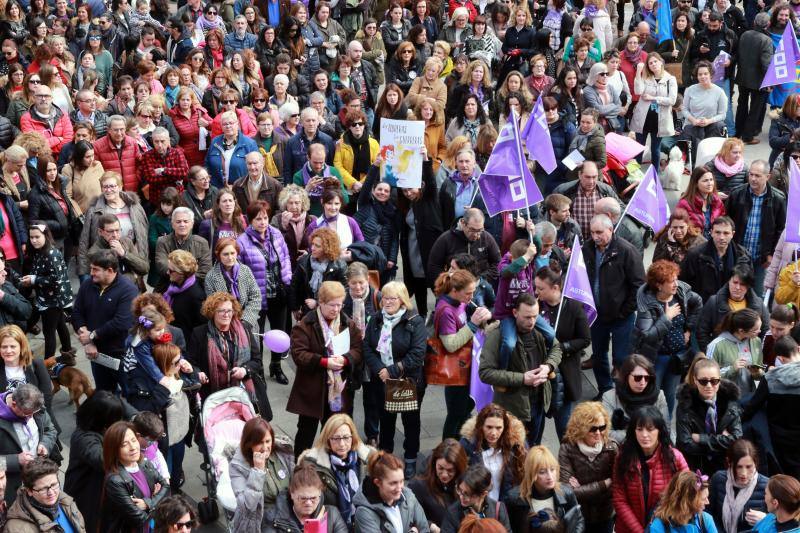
x=621, y=275
x=8, y=132
x=717, y=307
x=709, y=454
x=42, y=205
x=14, y=308
x=409, y=338
x=652, y=323
x=281, y=517
x=379, y=224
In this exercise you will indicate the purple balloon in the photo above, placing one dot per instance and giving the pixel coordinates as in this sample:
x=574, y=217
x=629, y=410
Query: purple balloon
x=276, y=340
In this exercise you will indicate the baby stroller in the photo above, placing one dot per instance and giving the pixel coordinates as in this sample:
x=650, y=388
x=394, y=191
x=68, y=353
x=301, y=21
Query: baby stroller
x=223, y=417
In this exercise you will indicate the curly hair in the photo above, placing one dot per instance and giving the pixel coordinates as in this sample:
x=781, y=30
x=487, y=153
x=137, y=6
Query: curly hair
x=156, y=300
x=33, y=142
x=213, y=301
x=184, y=261
x=331, y=247
x=512, y=453
x=293, y=190
x=661, y=271
x=583, y=417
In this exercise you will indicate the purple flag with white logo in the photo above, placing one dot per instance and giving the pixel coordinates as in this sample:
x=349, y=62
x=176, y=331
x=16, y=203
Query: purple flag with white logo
x=506, y=183
x=479, y=391
x=649, y=204
x=782, y=66
x=576, y=283
x=537, y=138
x=793, y=204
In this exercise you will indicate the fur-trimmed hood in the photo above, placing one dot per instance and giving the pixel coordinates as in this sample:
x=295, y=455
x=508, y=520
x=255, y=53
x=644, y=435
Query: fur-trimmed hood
x=517, y=431
x=728, y=392
x=320, y=457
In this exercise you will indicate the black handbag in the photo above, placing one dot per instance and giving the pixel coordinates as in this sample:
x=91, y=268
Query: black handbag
x=75, y=229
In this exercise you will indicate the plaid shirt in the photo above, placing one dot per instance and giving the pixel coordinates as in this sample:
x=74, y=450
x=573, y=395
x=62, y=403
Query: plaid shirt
x=752, y=233
x=175, y=170
x=583, y=209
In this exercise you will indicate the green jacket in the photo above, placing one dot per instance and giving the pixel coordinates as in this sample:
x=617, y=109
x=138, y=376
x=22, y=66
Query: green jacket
x=725, y=351
x=509, y=390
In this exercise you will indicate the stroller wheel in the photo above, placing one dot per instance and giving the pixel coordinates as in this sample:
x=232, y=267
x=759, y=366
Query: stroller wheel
x=207, y=511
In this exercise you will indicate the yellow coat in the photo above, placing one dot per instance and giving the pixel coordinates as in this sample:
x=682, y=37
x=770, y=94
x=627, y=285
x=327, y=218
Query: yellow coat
x=786, y=291
x=344, y=159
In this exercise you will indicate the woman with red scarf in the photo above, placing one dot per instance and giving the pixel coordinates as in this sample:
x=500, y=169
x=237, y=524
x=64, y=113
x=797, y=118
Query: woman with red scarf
x=632, y=55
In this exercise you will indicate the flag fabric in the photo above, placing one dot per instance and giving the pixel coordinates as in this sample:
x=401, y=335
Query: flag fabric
x=793, y=204
x=537, y=138
x=649, y=204
x=481, y=393
x=576, y=283
x=663, y=21
x=782, y=67
x=506, y=183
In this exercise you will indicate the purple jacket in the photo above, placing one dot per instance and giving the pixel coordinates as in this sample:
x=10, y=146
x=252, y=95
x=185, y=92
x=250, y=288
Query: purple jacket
x=509, y=288
x=320, y=223
x=252, y=256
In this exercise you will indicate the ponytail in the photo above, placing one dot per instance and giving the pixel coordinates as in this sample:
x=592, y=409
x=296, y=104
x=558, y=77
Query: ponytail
x=450, y=281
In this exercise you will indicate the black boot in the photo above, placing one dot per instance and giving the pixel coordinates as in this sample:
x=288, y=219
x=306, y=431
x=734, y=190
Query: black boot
x=275, y=371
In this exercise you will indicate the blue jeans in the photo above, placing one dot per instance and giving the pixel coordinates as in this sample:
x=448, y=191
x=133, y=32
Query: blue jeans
x=619, y=334
x=535, y=426
x=562, y=417
x=666, y=380
x=508, y=336
x=725, y=85
x=655, y=146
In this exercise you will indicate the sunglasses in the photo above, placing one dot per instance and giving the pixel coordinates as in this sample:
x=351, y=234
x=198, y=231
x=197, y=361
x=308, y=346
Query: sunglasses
x=602, y=74
x=184, y=525
x=356, y=124
x=36, y=82
x=229, y=102
x=296, y=115
x=259, y=99
x=597, y=429
x=645, y=378
x=95, y=38
x=211, y=12
x=705, y=382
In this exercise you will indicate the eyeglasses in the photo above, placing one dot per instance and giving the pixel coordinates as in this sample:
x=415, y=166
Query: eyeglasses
x=44, y=96
x=357, y=124
x=642, y=377
x=259, y=100
x=229, y=102
x=95, y=38
x=602, y=73
x=211, y=12
x=224, y=311
x=184, y=525
x=8, y=54
x=109, y=186
x=343, y=438
x=597, y=429
x=146, y=116
x=307, y=499
x=705, y=382
x=50, y=488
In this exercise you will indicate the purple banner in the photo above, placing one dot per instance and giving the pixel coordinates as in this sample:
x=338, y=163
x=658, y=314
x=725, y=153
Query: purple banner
x=649, y=204
x=793, y=204
x=576, y=283
x=537, y=138
x=782, y=66
x=506, y=183
x=719, y=67
x=480, y=392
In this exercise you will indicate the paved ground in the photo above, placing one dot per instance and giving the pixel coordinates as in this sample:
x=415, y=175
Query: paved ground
x=432, y=408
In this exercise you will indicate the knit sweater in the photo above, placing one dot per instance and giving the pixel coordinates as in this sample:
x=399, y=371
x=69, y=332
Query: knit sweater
x=711, y=104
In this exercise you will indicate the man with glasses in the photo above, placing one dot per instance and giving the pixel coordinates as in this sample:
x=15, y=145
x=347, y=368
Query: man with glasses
x=22, y=413
x=87, y=111
x=112, y=38
x=365, y=76
x=133, y=264
x=102, y=315
x=118, y=152
x=467, y=237
x=328, y=122
x=307, y=134
x=179, y=43
x=47, y=119
x=42, y=491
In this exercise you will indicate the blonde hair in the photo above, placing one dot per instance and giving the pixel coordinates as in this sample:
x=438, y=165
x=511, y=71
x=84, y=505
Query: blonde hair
x=293, y=190
x=438, y=115
x=33, y=141
x=434, y=62
x=14, y=331
x=583, y=418
x=330, y=290
x=397, y=289
x=466, y=78
x=184, y=261
x=335, y=422
x=444, y=45
x=538, y=457
x=728, y=146
x=111, y=175
x=455, y=146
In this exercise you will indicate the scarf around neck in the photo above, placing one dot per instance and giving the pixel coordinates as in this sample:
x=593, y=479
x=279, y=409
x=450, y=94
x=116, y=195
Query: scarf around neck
x=631, y=402
x=336, y=382
x=385, y=340
x=734, y=503
x=591, y=452
x=10, y=416
x=360, y=311
x=220, y=358
x=361, y=153
x=347, y=483
x=728, y=170
x=633, y=57
x=173, y=289
x=232, y=278
x=471, y=129
x=318, y=268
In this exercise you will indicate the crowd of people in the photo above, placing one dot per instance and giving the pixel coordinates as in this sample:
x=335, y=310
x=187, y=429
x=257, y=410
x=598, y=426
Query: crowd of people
x=212, y=173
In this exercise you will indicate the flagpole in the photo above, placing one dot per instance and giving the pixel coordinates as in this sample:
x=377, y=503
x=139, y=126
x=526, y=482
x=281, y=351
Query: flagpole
x=575, y=243
x=518, y=136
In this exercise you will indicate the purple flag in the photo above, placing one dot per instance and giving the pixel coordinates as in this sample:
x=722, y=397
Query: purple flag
x=576, y=283
x=719, y=67
x=480, y=392
x=782, y=67
x=506, y=183
x=537, y=138
x=793, y=204
x=648, y=204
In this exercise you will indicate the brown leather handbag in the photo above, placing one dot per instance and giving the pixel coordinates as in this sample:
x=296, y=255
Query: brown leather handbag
x=401, y=395
x=443, y=367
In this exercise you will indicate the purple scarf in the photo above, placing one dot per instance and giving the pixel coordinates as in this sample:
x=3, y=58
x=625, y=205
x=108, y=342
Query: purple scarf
x=175, y=289
x=633, y=57
x=316, y=192
x=233, y=278
x=10, y=416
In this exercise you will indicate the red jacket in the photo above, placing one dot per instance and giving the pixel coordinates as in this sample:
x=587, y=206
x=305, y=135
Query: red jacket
x=60, y=134
x=123, y=161
x=246, y=125
x=189, y=132
x=470, y=7
x=175, y=171
x=628, y=498
x=695, y=210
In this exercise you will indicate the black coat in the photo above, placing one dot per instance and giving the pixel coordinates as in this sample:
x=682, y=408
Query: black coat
x=453, y=242
x=699, y=268
x=35, y=374
x=455, y=514
x=652, y=323
x=118, y=510
x=387, y=234
x=403, y=77
x=110, y=316
x=717, y=307
x=434, y=509
x=455, y=100
x=773, y=217
x=574, y=336
x=186, y=307
x=8, y=132
x=301, y=278
x=14, y=308
x=709, y=454
x=409, y=342
x=716, y=499
x=42, y=205
x=755, y=53
x=427, y=219
x=621, y=275
x=566, y=507
x=84, y=477
x=525, y=41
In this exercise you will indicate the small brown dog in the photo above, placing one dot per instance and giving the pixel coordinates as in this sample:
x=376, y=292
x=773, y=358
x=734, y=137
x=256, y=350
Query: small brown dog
x=75, y=380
